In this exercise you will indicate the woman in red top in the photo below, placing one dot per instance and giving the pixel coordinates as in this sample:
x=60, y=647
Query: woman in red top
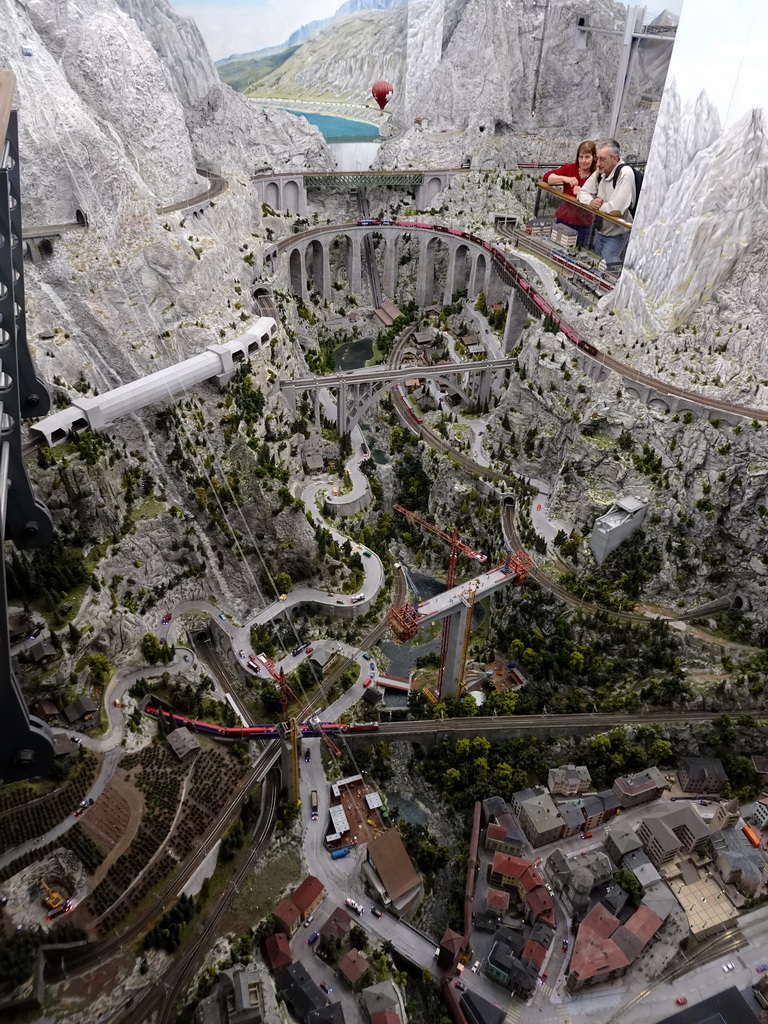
x=572, y=177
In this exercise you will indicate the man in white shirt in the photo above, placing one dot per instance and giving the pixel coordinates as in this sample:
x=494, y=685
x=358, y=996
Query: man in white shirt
x=610, y=189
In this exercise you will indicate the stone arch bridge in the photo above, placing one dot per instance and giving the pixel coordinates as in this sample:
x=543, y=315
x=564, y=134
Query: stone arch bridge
x=468, y=265
x=287, y=192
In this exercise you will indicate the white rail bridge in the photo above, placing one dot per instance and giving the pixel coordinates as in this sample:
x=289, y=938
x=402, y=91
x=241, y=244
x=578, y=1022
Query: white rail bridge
x=357, y=390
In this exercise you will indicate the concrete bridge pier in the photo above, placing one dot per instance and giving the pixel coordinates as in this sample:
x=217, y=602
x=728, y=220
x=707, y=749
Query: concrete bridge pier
x=354, y=265
x=484, y=388
x=473, y=278
x=326, y=284
x=290, y=398
x=450, y=277
x=341, y=408
x=478, y=279
x=390, y=266
x=511, y=327
x=494, y=286
x=317, y=409
x=424, y=273
x=453, y=667
x=298, y=273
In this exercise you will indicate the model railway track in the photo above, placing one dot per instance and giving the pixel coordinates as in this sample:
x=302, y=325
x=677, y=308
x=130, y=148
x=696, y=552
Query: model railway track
x=85, y=956
x=540, y=307
x=717, y=947
x=216, y=185
x=505, y=725
x=544, y=580
x=164, y=996
x=597, y=283
x=553, y=587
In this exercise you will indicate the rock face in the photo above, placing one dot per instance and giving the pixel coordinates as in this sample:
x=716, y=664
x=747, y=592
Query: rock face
x=109, y=128
x=178, y=44
x=718, y=178
x=99, y=120
x=229, y=132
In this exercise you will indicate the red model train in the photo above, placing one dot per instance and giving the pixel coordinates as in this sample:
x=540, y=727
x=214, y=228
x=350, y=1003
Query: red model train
x=499, y=258
x=254, y=732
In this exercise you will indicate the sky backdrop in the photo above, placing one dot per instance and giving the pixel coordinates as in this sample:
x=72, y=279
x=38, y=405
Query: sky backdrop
x=241, y=26
x=736, y=47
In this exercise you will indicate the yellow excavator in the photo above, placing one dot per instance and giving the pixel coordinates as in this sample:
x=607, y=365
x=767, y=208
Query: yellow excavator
x=54, y=900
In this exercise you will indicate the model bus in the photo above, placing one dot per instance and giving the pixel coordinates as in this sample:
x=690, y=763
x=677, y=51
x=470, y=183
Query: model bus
x=313, y=804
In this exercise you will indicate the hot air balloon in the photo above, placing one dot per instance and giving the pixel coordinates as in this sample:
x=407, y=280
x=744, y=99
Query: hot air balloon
x=382, y=93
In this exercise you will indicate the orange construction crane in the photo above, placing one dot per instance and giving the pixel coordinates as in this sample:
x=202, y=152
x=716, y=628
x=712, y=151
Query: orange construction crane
x=285, y=690
x=327, y=739
x=458, y=547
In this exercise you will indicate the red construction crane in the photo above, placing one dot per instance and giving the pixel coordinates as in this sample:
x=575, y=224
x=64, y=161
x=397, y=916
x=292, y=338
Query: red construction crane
x=458, y=547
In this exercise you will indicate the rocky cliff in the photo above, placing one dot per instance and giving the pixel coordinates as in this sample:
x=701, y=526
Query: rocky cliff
x=178, y=44
x=693, y=284
x=718, y=179
x=117, y=106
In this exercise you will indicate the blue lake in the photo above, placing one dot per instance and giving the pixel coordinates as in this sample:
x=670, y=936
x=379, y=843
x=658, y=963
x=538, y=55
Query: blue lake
x=340, y=129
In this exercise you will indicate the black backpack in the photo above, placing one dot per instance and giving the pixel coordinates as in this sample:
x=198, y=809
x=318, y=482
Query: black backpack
x=638, y=182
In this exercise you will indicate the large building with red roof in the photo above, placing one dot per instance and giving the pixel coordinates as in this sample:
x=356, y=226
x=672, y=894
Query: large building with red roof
x=297, y=908
x=605, y=948
x=393, y=870
x=514, y=873
x=521, y=877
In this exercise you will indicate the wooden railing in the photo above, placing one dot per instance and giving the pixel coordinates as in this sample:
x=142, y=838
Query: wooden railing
x=555, y=191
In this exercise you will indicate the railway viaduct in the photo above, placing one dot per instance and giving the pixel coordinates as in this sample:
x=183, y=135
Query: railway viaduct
x=471, y=266
x=506, y=727
x=288, y=192
x=468, y=266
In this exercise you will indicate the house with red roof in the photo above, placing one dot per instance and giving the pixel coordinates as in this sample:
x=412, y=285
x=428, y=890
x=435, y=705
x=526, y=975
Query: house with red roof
x=278, y=951
x=452, y=945
x=337, y=927
x=353, y=967
x=287, y=917
x=538, y=906
x=534, y=952
x=497, y=900
x=308, y=896
x=514, y=873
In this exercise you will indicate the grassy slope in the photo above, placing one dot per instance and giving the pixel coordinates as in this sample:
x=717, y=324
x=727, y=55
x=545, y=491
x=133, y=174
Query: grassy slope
x=242, y=73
